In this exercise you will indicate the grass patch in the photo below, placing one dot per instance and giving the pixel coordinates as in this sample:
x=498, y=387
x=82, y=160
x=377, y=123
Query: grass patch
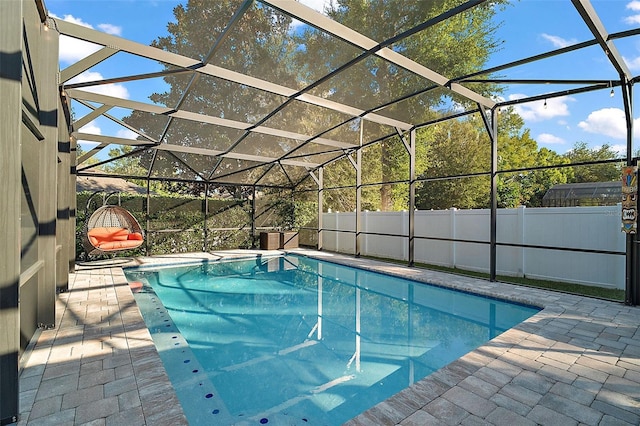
x=582, y=290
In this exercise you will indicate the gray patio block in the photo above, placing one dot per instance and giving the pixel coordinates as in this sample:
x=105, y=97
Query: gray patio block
x=120, y=386
x=133, y=416
x=493, y=376
x=97, y=378
x=511, y=404
x=553, y=362
x=504, y=367
x=446, y=411
x=589, y=373
x=57, y=386
x=504, y=417
x=608, y=420
x=601, y=366
x=395, y=409
x=469, y=401
x=29, y=383
x=429, y=389
x=614, y=411
x=515, y=358
x=523, y=395
x=61, y=369
x=421, y=418
x=532, y=381
x=479, y=387
x=558, y=374
x=606, y=355
x=83, y=396
x=26, y=399
x=472, y=420
x=573, y=393
x=65, y=417
x=633, y=376
x=546, y=417
x=585, y=343
x=96, y=409
x=128, y=400
x=46, y=406
x=580, y=412
x=621, y=392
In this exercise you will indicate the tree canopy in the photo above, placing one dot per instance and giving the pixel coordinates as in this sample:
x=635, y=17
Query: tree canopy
x=452, y=157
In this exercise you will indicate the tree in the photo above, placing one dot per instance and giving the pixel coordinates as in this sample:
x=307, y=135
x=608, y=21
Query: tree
x=518, y=150
x=455, y=47
x=258, y=46
x=454, y=148
x=581, y=153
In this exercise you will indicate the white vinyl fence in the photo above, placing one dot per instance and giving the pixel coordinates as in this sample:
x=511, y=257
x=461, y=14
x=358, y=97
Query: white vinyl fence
x=589, y=228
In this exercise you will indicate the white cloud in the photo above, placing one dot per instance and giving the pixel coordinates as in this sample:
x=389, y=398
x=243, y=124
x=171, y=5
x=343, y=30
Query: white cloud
x=73, y=20
x=72, y=49
x=633, y=64
x=92, y=128
x=544, y=109
x=632, y=20
x=549, y=139
x=126, y=134
x=634, y=5
x=110, y=29
x=557, y=41
x=116, y=90
x=607, y=121
x=317, y=5
x=619, y=148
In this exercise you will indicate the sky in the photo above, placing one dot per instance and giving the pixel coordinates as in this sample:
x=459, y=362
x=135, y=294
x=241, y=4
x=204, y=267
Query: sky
x=531, y=27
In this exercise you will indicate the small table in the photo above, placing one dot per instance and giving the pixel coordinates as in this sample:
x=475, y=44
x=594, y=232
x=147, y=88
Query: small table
x=288, y=240
x=269, y=240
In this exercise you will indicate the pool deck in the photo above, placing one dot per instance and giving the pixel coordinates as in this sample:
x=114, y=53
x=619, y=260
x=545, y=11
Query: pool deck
x=576, y=362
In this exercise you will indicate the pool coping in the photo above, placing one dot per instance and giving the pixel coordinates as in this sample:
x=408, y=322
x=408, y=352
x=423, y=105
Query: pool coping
x=575, y=361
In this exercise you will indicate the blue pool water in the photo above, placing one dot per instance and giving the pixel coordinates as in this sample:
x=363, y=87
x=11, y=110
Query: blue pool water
x=292, y=340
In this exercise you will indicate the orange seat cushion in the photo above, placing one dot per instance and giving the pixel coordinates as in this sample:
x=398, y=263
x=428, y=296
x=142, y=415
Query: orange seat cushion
x=120, y=245
x=114, y=238
x=109, y=234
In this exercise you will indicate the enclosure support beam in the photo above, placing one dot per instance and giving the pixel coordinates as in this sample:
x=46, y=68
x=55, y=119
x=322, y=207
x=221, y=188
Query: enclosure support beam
x=10, y=175
x=148, y=218
x=492, y=130
x=320, y=206
x=253, y=217
x=632, y=289
x=412, y=195
x=73, y=205
x=47, y=63
x=205, y=234
x=411, y=150
x=65, y=233
x=358, y=166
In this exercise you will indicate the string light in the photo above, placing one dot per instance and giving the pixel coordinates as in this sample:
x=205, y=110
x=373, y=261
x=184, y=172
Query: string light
x=612, y=93
x=545, y=104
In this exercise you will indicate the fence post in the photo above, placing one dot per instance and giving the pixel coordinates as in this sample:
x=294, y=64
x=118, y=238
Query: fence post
x=337, y=234
x=365, y=229
x=405, y=226
x=521, y=235
x=452, y=235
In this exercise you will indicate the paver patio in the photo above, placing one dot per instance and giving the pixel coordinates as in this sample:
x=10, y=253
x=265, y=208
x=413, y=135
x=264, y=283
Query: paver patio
x=575, y=362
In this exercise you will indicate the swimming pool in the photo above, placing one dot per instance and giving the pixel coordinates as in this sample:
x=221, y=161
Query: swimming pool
x=293, y=340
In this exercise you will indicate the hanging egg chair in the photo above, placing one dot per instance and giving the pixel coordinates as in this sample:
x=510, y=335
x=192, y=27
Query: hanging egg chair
x=111, y=229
